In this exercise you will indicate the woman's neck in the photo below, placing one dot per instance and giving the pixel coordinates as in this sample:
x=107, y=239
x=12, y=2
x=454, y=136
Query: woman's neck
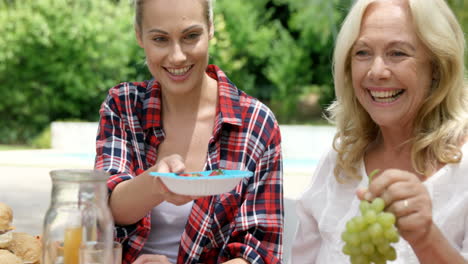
x=199, y=102
x=193, y=102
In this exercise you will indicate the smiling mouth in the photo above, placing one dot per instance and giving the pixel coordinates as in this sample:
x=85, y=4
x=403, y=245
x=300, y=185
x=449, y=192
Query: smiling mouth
x=386, y=96
x=178, y=71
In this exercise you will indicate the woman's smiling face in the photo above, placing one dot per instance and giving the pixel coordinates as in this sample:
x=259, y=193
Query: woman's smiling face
x=175, y=35
x=390, y=67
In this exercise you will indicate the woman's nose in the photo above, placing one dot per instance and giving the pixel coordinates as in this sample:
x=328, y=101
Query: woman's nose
x=177, y=54
x=379, y=69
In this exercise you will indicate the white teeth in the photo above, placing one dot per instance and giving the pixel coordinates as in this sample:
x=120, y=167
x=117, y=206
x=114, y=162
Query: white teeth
x=385, y=96
x=180, y=71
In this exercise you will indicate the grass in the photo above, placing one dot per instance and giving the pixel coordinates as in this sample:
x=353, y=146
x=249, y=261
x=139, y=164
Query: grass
x=14, y=147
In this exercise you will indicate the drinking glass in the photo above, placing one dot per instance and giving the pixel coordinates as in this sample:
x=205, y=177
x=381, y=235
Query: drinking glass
x=92, y=253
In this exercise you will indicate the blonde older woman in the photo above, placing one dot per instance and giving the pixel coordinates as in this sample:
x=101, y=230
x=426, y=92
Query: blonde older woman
x=401, y=108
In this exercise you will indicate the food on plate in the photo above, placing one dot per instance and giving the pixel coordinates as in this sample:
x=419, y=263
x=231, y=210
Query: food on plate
x=189, y=174
x=198, y=174
x=26, y=247
x=216, y=172
x=6, y=257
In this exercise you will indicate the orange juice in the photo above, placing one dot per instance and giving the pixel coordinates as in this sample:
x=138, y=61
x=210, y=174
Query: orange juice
x=71, y=245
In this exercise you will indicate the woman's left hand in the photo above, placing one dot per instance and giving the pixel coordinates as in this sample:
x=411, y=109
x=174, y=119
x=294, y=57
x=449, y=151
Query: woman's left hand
x=408, y=199
x=151, y=259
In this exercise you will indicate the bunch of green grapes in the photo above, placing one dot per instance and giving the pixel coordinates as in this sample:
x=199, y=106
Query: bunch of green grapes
x=368, y=236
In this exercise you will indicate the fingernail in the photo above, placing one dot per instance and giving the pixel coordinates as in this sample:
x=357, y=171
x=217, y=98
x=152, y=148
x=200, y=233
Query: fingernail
x=368, y=196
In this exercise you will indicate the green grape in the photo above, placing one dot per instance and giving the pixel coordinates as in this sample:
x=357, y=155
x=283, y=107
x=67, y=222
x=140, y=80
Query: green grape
x=354, y=239
x=368, y=236
x=359, y=259
x=363, y=236
x=345, y=236
x=386, y=219
x=379, y=240
x=360, y=222
x=370, y=217
x=377, y=258
x=378, y=204
x=367, y=248
x=383, y=248
x=346, y=249
x=391, y=254
x=392, y=235
x=375, y=230
x=351, y=226
x=364, y=206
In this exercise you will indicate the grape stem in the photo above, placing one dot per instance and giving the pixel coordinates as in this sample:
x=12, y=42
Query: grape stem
x=372, y=174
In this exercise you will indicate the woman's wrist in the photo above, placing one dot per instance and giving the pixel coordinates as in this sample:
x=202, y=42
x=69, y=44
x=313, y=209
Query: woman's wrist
x=128, y=208
x=435, y=248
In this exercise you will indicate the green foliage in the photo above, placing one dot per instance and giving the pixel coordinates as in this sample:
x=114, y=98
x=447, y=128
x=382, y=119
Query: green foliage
x=58, y=59
x=460, y=8
x=43, y=140
x=317, y=23
x=259, y=54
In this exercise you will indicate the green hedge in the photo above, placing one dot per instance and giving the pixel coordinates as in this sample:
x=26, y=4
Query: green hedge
x=59, y=58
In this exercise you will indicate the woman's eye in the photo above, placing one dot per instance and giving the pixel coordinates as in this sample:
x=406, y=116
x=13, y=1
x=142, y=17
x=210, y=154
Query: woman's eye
x=192, y=36
x=159, y=39
x=361, y=53
x=397, y=53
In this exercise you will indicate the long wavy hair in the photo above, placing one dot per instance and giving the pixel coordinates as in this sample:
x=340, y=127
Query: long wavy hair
x=442, y=121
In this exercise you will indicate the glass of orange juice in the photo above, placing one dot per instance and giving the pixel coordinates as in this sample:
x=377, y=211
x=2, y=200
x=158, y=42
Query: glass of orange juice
x=71, y=245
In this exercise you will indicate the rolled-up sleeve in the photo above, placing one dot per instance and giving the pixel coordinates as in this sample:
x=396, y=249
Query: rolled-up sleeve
x=114, y=153
x=257, y=236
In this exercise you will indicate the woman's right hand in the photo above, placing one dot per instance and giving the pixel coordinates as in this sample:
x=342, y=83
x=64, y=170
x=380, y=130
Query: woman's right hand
x=408, y=199
x=173, y=163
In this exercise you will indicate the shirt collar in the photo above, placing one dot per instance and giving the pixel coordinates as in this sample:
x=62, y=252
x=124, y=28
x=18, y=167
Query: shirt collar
x=229, y=107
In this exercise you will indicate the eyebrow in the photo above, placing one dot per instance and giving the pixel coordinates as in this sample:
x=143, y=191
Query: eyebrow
x=392, y=43
x=402, y=43
x=155, y=30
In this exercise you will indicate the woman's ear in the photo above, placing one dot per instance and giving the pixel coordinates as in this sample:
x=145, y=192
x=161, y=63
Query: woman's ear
x=138, y=36
x=211, y=30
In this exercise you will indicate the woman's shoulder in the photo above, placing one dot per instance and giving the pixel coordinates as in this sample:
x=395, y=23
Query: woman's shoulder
x=236, y=102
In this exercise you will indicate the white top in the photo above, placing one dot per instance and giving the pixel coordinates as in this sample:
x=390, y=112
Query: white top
x=167, y=225
x=326, y=205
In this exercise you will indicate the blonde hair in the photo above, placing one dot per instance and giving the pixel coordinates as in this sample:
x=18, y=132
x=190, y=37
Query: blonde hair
x=442, y=122
x=207, y=4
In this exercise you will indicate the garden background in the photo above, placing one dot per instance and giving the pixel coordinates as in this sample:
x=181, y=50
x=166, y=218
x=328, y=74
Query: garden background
x=58, y=58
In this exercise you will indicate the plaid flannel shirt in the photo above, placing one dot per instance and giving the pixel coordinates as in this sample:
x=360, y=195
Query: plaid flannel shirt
x=246, y=222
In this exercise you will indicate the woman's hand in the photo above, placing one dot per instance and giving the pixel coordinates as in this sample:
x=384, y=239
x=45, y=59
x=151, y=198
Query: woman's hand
x=173, y=163
x=151, y=259
x=408, y=199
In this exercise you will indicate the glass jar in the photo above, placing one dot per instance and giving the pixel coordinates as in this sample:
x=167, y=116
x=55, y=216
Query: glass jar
x=78, y=214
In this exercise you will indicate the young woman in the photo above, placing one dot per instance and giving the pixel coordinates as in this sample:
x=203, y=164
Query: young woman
x=189, y=117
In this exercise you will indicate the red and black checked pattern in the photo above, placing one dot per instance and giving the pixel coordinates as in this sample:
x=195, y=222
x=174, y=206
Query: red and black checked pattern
x=246, y=222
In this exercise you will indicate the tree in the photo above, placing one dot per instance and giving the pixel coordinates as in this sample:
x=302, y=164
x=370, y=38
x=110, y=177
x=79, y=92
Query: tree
x=58, y=59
